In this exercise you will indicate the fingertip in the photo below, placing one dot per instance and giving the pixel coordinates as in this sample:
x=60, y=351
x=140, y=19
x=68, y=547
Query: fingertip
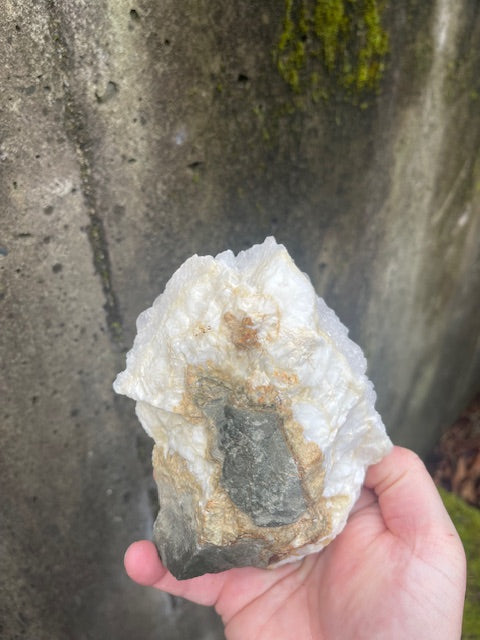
x=142, y=563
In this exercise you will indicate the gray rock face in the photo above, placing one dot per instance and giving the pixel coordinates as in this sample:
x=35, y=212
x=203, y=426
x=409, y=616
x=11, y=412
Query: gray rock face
x=176, y=537
x=259, y=475
x=259, y=472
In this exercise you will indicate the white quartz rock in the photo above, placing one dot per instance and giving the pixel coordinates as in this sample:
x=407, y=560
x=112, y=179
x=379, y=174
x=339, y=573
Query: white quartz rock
x=262, y=415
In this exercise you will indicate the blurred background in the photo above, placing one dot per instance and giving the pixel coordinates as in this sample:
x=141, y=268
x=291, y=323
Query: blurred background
x=135, y=134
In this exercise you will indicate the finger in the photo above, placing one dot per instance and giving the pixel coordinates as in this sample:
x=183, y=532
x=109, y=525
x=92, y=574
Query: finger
x=409, y=501
x=144, y=566
x=142, y=563
x=231, y=589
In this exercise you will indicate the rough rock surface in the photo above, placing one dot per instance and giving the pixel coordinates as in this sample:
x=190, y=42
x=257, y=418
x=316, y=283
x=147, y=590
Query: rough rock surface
x=263, y=418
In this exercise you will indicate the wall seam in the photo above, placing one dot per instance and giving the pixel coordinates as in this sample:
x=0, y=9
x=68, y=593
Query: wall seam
x=75, y=129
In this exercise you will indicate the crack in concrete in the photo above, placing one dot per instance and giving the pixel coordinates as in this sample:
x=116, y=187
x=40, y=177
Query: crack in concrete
x=76, y=131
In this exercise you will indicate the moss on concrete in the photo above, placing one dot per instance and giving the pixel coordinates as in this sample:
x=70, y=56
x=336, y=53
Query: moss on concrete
x=467, y=522
x=332, y=46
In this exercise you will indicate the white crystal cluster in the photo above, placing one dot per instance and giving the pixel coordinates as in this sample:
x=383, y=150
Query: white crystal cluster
x=291, y=341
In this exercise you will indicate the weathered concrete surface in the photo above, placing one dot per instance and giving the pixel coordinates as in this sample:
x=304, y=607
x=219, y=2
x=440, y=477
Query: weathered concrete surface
x=136, y=134
x=75, y=472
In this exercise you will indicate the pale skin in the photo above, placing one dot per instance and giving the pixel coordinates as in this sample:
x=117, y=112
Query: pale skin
x=396, y=571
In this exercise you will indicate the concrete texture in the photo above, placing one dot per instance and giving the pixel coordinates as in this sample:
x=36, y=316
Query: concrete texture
x=135, y=134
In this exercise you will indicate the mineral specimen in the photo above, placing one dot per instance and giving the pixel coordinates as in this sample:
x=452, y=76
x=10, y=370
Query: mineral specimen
x=261, y=413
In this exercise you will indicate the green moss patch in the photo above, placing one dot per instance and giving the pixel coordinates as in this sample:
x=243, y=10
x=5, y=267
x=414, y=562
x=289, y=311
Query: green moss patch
x=331, y=46
x=467, y=522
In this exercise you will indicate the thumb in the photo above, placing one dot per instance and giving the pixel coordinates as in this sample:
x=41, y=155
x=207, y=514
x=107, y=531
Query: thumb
x=409, y=501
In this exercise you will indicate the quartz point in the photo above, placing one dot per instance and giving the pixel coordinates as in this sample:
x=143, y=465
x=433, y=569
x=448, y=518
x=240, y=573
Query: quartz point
x=262, y=416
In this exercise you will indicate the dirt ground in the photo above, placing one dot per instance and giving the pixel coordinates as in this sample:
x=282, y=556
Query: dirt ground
x=455, y=461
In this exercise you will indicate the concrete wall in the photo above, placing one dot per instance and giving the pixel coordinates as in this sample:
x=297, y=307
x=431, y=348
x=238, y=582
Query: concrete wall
x=133, y=134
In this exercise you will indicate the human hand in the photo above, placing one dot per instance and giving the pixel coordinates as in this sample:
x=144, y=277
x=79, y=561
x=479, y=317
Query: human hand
x=397, y=571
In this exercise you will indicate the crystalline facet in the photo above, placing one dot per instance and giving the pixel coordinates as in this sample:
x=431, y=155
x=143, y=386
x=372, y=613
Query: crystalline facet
x=261, y=412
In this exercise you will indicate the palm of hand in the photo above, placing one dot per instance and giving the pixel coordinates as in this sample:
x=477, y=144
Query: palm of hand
x=365, y=584
x=396, y=571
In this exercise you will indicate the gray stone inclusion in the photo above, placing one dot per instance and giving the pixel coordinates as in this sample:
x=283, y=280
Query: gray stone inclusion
x=259, y=472
x=261, y=478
